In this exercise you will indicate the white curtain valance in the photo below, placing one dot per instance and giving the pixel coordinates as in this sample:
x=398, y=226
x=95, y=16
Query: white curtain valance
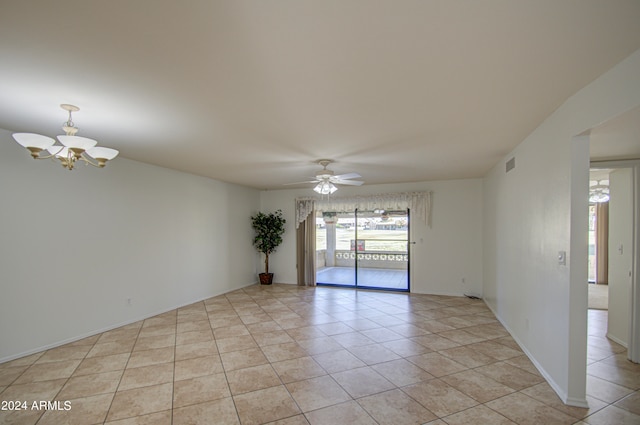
x=419, y=203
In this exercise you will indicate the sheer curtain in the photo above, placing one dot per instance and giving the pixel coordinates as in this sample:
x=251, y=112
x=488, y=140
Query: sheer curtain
x=419, y=203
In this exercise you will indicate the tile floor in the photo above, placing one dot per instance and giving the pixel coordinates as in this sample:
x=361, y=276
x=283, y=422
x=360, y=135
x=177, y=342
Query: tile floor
x=290, y=355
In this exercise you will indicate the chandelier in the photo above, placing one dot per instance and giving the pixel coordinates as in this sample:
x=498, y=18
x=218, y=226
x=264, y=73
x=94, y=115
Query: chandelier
x=72, y=148
x=599, y=192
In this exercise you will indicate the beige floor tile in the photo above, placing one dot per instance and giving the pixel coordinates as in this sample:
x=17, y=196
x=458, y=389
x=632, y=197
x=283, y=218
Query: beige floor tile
x=605, y=390
x=544, y=393
x=48, y=371
x=20, y=417
x=87, y=410
x=252, y=379
x=293, y=420
x=231, y=331
x=612, y=415
x=146, y=376
x=477, y=386
x=64, y=353
x=381, y=335
x=140, y=401
x=193, y=337
x=439, y=397
x=298, y=369
x=362, y=382
x=402, y=372
x=395, y=408
x=150, y=331
x=195, y=350
x=261, y=326
x=495, y=350
x=151, y=357
x=199, y=390
x=510, y=376
x=34, y=391
x=267, y=405
x=243, y=359
x=227, y=345
x=158, y=418
x=272, y=338
x=316, y=393
x=9, y=374
x=468, y=357
x=102, y=364
x=286, y=351
x=630, y=403
x=373, y=354
x=23, y=361
x=319, y=345
x=199, y=366
x=306, y=332
x=217, y=411
x=436, y=364
x=435, y=342
x=338, y=361
x=353, y=339
x=89, y=385
x=346, y=413
x=199, y=325
x=525, y=410
x=614, y=373
x=406, y=347
x=159, y=341
x=120, y=334
x=478, y=415
x=523, y=363
x=109, y=348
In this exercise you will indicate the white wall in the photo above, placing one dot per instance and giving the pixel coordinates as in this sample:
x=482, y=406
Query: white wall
x=539, y=209
x=76, y=245
x=620, y=254
x=443, y=255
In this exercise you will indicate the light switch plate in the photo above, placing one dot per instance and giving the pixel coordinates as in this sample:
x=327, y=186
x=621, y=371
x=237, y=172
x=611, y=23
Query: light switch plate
x=562, y=258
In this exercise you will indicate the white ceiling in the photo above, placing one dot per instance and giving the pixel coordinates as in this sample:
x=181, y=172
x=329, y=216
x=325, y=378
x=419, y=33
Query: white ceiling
x=253, y=92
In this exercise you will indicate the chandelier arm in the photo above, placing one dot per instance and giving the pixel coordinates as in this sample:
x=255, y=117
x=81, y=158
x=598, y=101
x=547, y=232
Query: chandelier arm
x=88, y=161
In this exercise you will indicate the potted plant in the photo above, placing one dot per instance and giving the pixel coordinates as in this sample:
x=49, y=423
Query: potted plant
x=269, y=229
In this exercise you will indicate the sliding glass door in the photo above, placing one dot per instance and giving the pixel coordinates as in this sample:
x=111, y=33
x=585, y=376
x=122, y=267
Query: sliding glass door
x=365, y=249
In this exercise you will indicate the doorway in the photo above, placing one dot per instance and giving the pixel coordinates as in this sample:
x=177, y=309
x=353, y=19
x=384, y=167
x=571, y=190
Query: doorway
x=363, y=249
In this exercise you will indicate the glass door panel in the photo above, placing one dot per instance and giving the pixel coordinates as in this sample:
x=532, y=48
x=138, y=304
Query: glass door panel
x=335, y=261
x=383, y=255
x=366, y=249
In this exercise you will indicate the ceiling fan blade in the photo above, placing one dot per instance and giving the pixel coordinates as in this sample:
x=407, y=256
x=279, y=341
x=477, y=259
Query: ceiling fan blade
x=347, y=176
x=309, y=181
x=347, y=182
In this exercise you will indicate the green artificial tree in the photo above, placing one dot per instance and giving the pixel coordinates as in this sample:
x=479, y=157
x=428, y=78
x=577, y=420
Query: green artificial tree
x=269, y=229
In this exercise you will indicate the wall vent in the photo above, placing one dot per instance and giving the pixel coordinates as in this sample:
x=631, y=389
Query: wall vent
x=511, y=164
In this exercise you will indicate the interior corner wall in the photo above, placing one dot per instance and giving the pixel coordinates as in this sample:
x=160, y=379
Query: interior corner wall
x=534, y=212
x=443, y=255
x=76, y=246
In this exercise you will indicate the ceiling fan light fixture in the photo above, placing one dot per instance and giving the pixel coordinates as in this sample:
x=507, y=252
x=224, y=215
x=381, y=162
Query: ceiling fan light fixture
x=325, y=188
x=599, y=192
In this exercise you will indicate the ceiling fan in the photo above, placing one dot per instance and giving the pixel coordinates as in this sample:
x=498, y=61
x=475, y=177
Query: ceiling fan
x=327, y=180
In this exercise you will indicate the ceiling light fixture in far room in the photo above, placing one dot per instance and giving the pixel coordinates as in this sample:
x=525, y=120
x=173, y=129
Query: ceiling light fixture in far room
x=599, y=192
x=73, y=147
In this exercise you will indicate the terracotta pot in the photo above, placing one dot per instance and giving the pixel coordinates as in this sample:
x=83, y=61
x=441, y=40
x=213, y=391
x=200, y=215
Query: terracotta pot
x=266, y=278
